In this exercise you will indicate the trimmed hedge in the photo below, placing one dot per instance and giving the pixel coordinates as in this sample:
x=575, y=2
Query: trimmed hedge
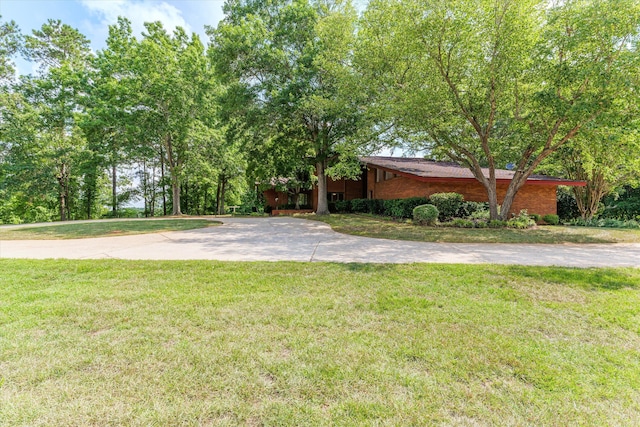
x=372, y=206
x=343, y=206
x=467, y=209
x=402, y=208
x=448, y=204
x=425, y=214
x=551, y=219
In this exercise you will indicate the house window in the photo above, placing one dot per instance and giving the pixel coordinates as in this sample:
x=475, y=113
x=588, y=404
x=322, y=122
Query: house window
x=388, y=175
x=379, y=175
x=334, y=197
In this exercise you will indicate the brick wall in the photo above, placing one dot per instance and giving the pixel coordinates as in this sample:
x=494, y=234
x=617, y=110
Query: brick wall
x=540, y=199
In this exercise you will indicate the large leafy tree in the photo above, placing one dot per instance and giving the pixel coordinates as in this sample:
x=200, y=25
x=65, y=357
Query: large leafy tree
x=55, y=98
x=604, y=154
x=174, y=79
x=110, y=121
x=10, y=43
x=495, y=81
x=293, y=58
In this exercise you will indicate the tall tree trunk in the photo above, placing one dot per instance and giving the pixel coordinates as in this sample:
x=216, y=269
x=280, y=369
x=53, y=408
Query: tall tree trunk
x=62, y=192
x=175, y=180
x=323, y=204
x=222, y=195
x=204, y=203
x=164, y=189
x=517, y=182
x=186, y=197
x=588, y=197
x=175, y=188
x=114, y=191
x=67, y=194
x=222, y=182
x=89, y=202
x=218, y=187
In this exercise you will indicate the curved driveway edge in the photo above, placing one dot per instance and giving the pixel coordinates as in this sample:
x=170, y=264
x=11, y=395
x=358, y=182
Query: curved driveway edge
x=295, y=239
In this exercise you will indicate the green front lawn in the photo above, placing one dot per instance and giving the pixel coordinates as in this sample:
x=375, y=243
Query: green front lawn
x=385, y=228
x=211, y=343
x=102, y=228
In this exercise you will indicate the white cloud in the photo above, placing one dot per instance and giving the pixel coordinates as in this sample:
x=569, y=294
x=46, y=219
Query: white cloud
x=138, y=12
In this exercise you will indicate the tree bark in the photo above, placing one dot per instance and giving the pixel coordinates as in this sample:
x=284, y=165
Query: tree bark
x=164, y=189
x=114, y=194
x=323, y=204
x=222, y=194
x=62, y=191
x=222, y=181
x=175, y=181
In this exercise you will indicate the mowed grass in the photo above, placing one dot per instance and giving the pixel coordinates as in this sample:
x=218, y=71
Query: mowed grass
x=209, y=343
x=386, y=228
x=104, y=228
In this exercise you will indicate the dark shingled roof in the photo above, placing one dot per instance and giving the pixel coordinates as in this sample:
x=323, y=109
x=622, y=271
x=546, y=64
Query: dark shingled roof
x=430, y=169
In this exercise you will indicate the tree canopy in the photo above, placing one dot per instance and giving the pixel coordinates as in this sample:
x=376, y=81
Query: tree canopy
x=298, y=89
x=495, y=81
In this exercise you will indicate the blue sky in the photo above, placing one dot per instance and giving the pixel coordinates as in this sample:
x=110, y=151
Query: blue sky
x=92, y=17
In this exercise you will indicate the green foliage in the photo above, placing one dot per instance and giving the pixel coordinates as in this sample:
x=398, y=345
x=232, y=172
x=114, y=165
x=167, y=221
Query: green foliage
x=551, y=219
x=623, y=204
x=291, y=61
x=536, y=217
x=473, y=210
x=371, y=206
x=425, y=214
x=605, y=223
x=10, y=43
x=359, y=205
x=566, y=204
x=462, y=223
x=343, y=206
x=393, y=208
x=521, y=221
x=496, y=223
x=484, y=83
x=448, y=204
x=402, y=208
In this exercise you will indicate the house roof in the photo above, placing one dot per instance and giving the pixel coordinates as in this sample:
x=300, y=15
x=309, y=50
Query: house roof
x=429, y=170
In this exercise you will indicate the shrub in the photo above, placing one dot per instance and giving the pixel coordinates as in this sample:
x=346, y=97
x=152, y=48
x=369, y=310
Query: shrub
x=359, y=205
x=393, y=208
x=480, y=224
x=537, y=218
x=480, y=215
x=462, y=223
x=607, y=222
x=567, y=206
x=376, y=206
x=448, y=204
x=408, y=205
x=468, y=209
x=522, y=221
x=551, y=219
x=343, y=206
x=496, y=223
x=425, y=214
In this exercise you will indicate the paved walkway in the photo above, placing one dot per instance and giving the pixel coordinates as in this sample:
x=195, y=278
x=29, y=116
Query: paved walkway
x=294, y=239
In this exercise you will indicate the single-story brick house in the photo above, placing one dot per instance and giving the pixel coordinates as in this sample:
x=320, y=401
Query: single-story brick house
x=401, y=177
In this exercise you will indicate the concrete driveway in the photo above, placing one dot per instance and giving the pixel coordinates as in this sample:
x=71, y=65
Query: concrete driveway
x=294, y=239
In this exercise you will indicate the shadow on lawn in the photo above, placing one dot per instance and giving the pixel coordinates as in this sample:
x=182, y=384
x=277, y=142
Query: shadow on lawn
x=597, y=279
